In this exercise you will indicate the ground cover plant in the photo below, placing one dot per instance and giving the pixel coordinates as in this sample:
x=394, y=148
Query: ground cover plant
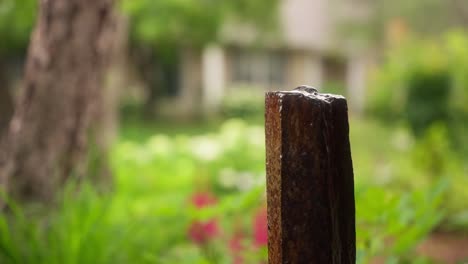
x=201, y=199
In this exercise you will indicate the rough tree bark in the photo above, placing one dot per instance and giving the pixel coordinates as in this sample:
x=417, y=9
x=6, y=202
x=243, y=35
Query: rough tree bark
x=6, y=102
x=51, y=130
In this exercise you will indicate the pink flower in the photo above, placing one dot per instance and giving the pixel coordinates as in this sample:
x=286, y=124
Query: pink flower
x=203, y=199
x=235, y=245
x=260, y=228
x=201, y=232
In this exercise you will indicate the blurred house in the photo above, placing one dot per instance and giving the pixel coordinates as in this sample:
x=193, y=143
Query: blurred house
x=308, y=49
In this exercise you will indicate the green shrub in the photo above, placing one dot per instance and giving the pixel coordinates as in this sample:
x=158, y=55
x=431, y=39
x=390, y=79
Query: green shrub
x=16, y=22
x=405, y=219
x=427, y=99
x=151, y=217
x=423, y=82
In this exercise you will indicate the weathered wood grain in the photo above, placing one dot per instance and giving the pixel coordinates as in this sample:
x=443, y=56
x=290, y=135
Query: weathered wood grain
x=310, y=189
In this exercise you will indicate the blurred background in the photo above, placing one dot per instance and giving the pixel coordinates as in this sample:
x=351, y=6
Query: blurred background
x=173, y=169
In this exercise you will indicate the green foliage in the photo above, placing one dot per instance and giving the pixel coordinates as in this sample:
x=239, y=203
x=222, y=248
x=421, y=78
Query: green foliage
x=192, y=22
x=435, y=155
x=390, y=156
x=154, y=23
x=147, y=216
x=16, y=22
x=428, y=99
x=405, y=218
x=424, y=82
x=416, y=15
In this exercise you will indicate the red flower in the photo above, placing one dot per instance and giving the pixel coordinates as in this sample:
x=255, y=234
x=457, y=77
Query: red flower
x=235, y=245
x=200, y=232
x=201, y=200
x=260, y=228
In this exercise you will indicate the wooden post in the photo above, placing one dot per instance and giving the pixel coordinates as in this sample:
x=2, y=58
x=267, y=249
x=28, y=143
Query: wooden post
x=310, y=188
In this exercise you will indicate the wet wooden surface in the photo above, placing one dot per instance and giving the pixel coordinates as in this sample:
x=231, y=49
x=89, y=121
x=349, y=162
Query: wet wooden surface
x=310, y=190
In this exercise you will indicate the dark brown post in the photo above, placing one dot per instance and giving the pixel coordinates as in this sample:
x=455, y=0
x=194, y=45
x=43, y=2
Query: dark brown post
x=310, y=188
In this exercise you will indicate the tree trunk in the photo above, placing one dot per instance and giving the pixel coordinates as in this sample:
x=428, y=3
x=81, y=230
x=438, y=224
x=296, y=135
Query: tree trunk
x=6, y=112
x=6, y=101
x=51, y=131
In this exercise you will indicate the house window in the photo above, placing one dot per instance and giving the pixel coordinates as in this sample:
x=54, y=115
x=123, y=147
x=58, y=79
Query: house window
x=258, y=67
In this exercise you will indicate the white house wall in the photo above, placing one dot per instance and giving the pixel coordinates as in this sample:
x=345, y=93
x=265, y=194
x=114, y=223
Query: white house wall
x=357, y=72
x=304, y=68
x=306, y=24
x=214, y=77
x=308, y=35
